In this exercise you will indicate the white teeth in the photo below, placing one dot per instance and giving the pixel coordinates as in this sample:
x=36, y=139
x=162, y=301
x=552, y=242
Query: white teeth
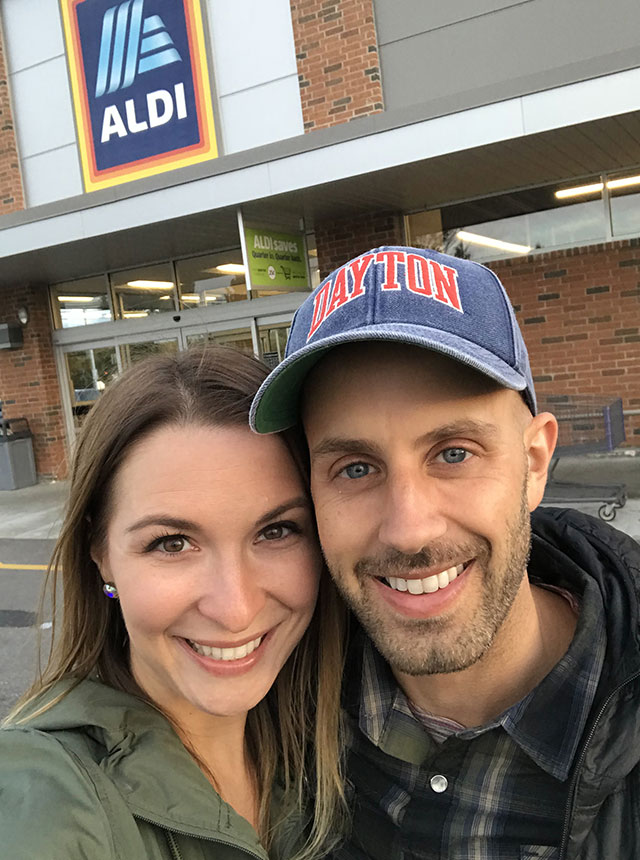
x=429, y=584
x=226, y=653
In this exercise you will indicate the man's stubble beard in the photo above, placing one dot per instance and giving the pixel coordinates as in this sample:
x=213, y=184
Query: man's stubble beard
x=432, y=646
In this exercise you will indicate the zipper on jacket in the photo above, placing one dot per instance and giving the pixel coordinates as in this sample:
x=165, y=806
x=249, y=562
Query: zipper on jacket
x=576, y=775
x=174, y=847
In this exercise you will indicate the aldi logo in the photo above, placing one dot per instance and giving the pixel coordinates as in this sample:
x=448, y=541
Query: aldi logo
x=140, y=86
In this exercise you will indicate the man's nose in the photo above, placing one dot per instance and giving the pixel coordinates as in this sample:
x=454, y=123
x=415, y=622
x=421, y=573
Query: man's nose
x=411, y=516
x=232, y=594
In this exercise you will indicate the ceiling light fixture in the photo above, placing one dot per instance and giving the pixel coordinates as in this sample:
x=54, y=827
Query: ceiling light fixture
x=580, y=190
x=190, y=297
x=129, y=315
x=76, y=298
x=488, y=242
x=231, y=269
x=151, y=285
x=596, y=187
x=623, y=183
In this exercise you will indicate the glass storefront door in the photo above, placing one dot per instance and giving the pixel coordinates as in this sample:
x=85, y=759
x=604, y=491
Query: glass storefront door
x=89, y=372
x=89, y=367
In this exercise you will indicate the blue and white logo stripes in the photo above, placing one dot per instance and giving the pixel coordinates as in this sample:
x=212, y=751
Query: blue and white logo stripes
x=131, y=45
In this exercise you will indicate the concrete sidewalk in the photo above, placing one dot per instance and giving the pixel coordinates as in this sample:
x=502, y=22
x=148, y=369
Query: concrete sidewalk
x=33, y=512
x=36, y=512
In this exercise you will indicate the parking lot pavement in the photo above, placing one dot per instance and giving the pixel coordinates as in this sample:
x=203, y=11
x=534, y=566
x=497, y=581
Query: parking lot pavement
x=22, y=570
x=33, y=512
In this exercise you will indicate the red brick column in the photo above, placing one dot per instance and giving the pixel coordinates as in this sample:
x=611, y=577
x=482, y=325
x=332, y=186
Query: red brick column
x=339, y=240
x=338, y=63
x=28, y=380
x=11, y=194
x=580, y=315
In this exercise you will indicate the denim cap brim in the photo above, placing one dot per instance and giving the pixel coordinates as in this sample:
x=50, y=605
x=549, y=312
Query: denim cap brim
x=276, y=406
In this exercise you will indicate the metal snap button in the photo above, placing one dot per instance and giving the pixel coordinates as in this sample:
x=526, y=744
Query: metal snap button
x=439, y=783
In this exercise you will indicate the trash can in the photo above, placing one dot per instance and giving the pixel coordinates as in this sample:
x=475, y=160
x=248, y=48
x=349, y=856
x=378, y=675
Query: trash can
x=17, y=464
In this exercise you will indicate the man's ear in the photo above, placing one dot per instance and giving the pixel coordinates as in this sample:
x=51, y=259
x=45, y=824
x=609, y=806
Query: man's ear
x=539, y=441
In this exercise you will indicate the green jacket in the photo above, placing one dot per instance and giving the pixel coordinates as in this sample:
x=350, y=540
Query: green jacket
x=103, y=776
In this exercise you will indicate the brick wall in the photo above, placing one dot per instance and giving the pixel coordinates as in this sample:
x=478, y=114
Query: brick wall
x=28, y=380
x=579, y=311
x=11, y=194
x=338, y=63
x=339, y=240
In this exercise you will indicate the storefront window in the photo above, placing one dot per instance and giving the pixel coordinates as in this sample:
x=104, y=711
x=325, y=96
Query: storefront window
x=82, y=302
x=89, y=372
x=130, y=353
x=212, y=279
x=514, y=224
x=624, y=197
x=239, y=338
x=273, y=340
x=144, y=291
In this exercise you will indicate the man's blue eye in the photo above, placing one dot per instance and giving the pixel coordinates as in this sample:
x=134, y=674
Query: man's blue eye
x=454, y=455
x=357, y=470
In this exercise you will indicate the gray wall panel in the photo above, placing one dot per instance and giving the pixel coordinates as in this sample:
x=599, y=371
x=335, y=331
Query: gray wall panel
x=501, y=52
x=52, y=175
x=398, y=19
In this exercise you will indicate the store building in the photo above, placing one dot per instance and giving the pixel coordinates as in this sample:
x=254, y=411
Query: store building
x=183, y=171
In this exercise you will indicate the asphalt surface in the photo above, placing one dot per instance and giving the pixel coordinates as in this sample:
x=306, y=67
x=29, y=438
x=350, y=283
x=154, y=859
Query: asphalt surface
x=22, y=569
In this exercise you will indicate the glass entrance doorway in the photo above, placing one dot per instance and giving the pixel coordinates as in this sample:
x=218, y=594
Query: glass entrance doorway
x=89, y=368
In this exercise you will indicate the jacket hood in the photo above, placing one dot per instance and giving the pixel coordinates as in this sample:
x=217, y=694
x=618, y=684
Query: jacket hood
x=138, y=749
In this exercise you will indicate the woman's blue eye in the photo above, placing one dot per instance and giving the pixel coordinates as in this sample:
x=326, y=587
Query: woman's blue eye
x=357, y=470
x=454, y=455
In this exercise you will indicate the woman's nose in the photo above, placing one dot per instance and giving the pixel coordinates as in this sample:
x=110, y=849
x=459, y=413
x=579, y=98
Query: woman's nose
x=232, y=596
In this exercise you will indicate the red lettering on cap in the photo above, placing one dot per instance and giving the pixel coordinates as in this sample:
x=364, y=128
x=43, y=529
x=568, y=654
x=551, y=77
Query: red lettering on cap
x=358, y=269
x=391, y=260
x=418, y=280
x=444, y=281
x=320, y=308
x=339, y=295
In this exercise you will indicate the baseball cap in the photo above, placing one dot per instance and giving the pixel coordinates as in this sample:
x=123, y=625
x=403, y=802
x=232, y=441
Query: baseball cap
x=405, y=295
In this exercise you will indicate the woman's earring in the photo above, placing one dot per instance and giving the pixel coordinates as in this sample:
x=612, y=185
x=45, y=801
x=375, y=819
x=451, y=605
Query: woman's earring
x=110, y=590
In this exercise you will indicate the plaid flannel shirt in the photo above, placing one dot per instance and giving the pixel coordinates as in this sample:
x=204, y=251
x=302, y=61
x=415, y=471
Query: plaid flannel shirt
x=494, y=792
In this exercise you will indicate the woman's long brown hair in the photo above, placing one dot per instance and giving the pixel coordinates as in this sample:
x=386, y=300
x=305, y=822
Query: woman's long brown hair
x=293, y=734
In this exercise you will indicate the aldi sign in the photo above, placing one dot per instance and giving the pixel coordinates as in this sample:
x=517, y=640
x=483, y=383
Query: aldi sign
x=140, y=86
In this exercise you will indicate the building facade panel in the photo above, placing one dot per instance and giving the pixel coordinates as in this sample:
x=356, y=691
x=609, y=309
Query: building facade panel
x=261, y=114
x=33, y=32
x=251, y=42
x=53, y=175
x=513, y=50
x=11, y=189
x=403, y=19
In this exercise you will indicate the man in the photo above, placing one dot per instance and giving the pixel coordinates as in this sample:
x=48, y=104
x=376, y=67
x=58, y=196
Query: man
x=492, y=693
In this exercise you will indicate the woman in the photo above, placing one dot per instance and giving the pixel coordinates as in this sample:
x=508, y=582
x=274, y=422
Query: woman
x=191, y=671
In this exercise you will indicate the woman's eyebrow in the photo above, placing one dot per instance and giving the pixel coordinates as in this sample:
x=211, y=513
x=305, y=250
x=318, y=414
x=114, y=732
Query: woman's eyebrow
x=291, y=504
x=163, y=520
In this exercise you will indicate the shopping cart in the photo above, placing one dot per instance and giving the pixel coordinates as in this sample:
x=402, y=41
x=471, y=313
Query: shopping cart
x=587, y=424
